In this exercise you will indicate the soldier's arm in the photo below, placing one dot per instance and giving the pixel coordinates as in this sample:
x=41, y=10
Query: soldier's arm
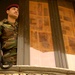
x=0, y=28
x=0, y=37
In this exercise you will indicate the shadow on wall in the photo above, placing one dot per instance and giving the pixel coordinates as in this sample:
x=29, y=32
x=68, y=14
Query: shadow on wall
x=3, y=5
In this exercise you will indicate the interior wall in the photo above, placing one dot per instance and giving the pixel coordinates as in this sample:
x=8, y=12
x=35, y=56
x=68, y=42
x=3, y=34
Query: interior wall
x=67, y=18
x=41, y=43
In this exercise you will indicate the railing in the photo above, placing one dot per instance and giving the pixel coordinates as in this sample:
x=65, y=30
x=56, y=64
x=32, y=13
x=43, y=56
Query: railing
x=35, y=70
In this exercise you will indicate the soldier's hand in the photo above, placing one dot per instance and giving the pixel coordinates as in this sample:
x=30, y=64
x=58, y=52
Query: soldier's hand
x=1, y=52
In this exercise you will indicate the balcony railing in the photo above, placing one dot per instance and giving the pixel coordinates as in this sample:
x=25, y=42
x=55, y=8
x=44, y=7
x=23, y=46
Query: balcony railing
x=35, y=70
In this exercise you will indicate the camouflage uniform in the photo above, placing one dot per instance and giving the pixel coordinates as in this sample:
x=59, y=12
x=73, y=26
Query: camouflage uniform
x=8, y=39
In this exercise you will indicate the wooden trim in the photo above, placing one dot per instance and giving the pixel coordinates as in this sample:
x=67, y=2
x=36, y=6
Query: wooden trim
x=26, y=33
x=23, y=57
x=60, y=55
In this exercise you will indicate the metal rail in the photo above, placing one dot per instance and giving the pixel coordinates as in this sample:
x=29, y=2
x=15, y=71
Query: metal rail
x=35, y=70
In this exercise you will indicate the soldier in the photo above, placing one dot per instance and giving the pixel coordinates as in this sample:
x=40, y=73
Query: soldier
x=8, y=33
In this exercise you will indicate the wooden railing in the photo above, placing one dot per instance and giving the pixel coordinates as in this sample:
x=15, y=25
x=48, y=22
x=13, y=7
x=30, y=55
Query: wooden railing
x=35, y=70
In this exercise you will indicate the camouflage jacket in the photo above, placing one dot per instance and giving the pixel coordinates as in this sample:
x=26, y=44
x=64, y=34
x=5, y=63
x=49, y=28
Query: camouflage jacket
x=8, y=35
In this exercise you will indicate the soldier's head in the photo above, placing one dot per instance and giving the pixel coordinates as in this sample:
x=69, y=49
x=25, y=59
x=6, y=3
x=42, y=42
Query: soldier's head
x=13, y=11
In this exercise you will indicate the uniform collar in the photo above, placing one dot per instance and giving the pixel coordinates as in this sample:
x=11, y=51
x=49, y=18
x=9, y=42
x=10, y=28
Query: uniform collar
x=6, y=21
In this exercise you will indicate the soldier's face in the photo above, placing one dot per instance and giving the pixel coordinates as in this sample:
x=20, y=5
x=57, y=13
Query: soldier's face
x=13, y=12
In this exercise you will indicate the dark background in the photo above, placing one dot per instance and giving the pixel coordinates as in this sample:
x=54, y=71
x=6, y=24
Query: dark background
x=3, y=5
